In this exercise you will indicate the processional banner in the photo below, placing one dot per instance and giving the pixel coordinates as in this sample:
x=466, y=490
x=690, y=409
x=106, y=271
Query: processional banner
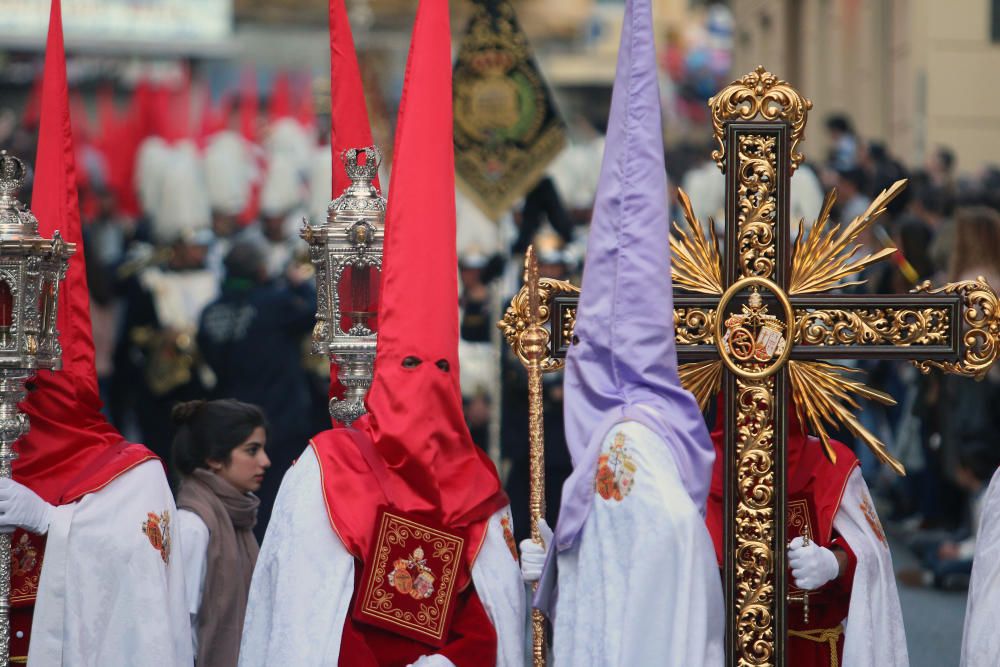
x=507, y=129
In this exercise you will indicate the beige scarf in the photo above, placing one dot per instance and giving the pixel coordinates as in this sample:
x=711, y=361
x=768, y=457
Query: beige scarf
x=232, y=552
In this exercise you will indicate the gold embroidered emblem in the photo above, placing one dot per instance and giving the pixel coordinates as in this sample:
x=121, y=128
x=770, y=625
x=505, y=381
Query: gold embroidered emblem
x=872, y=517
x=508, y=535
x=418, y=587
x=23, y=557
x=754, y=334
x=157, y=530
x=615, y=471
x=409, y=584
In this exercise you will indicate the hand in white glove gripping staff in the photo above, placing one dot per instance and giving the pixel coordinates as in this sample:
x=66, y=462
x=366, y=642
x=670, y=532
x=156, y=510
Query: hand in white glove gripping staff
x=432, y=661
x=20, y=507
x=812, y=565
x=533, y=555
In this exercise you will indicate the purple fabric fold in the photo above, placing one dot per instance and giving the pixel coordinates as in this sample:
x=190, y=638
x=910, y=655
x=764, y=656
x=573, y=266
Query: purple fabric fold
x=624, y=365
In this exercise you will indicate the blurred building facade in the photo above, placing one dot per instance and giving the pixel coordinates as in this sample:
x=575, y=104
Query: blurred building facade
x=917, y=74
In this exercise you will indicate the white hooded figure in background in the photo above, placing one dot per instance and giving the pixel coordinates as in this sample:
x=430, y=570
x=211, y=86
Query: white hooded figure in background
x=182, y=222
x=229, y=175
x=282, y=208
x=573, y=169
x=288, y=137
x=151, y=163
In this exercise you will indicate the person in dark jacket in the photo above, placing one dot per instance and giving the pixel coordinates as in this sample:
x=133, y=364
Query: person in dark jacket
x=252, y=336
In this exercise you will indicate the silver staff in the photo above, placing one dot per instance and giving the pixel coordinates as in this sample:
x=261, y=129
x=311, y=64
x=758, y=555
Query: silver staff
x=31, y=269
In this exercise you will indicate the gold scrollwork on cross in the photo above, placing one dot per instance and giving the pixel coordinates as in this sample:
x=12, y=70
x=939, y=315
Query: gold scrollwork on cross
x=693, y=326
x=981, y=339
x=757, y=204
x=872, y=326
x=754, y=520
x=759, y=94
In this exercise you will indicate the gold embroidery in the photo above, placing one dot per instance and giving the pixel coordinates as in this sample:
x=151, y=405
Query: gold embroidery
x=25, y=568
x=615, y=471
x=508, y=535
x=876, y=525
x=157, y=530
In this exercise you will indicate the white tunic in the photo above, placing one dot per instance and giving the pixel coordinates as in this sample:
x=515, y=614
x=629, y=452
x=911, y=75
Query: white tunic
x=304, y=579
x=194, y=550
x=980, y=640
x=106, y=596
x=873, y=631
x=642, y=586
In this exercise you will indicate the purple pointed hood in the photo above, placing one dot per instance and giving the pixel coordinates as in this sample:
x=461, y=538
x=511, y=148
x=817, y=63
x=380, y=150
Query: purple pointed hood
x=624, y=364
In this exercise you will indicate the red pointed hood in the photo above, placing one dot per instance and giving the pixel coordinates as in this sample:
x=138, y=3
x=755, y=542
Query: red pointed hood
x=349, y=127
x=281, y=98
x=248, y=105
x=432, y=468
x=71, y=449
x=348, y=113
x=211, y=117
x=305, y=111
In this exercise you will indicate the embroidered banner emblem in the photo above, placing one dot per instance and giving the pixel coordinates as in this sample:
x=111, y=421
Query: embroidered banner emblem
x=507, y=130
x=615, y=471
x=157, y=530
x=409, y=582
x=508, y=535
x=876, y=525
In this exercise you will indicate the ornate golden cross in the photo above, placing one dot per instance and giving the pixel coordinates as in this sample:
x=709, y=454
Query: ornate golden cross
x=763, y=321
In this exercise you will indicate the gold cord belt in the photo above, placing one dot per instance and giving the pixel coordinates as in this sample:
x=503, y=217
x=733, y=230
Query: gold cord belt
x=823, y=636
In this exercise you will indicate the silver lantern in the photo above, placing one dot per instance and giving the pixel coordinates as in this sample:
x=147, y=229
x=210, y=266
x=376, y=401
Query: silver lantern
x=31, y=269
x=347, y=255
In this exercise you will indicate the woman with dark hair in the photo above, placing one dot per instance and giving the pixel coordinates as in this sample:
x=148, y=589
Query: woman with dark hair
x=219, y=455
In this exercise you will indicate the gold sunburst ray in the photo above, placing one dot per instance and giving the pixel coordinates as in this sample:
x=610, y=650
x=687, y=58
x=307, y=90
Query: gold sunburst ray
x=824, y=392
x=695, y=263
x=703, y=379
x=824, y=259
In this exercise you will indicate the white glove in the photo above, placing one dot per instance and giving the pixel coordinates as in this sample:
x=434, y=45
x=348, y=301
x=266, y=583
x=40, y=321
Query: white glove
x=533, y=555
x=432, y=661
x=812, y=565
x=20, y=507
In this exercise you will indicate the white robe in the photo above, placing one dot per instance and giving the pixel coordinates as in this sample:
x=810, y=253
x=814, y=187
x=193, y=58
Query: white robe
x=873, y=631
x=980, y=639
x=304, y=579
x=105, y=596
x=194, y=550
x=641, y=587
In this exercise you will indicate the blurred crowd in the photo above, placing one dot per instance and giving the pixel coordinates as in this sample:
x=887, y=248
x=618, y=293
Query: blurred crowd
x=202, y=288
